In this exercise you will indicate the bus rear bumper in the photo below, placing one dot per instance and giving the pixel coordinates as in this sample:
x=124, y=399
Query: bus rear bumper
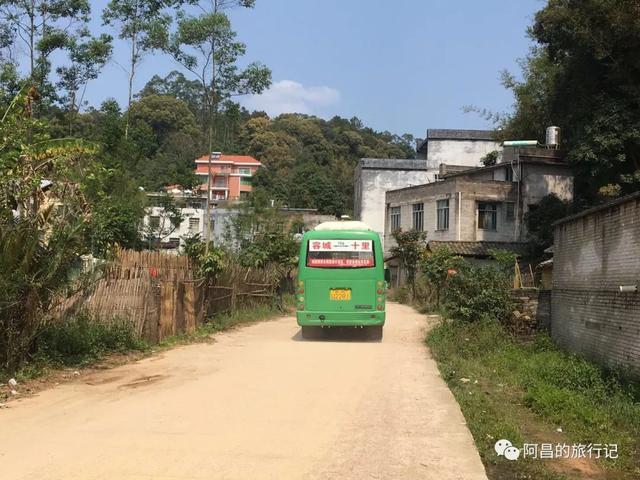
x=341, y=319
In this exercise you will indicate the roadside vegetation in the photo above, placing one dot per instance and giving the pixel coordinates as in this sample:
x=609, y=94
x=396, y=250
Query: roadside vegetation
x=526, y=390
x=535, y=393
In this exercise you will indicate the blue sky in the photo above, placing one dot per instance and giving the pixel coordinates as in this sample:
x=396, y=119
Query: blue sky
x=401, y=65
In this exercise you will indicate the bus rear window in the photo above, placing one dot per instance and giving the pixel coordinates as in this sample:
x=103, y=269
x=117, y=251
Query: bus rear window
x=340, y=254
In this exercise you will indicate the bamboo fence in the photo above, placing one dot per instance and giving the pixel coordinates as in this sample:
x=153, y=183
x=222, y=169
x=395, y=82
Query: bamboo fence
x=158, y=294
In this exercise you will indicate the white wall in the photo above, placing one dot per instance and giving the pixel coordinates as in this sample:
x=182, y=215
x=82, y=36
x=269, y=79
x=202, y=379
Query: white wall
x=375, y=183
x=183, y=229
x=459, y=152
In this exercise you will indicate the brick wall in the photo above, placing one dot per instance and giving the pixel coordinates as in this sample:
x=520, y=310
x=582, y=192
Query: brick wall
x=594, y=254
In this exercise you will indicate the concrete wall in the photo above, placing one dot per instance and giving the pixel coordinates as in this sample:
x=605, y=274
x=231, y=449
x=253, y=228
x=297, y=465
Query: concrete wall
x=463, y=221
x=182, y=230
x=374, y=177
x=539, y=180
x=458, y=152
x=466, y=190
x=594, y=254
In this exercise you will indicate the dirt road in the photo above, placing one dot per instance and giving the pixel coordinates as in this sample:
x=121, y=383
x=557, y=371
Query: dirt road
x=258, y=403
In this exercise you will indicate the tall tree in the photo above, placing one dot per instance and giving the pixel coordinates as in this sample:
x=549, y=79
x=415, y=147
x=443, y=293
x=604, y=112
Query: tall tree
x=178, y=86
x=87, y=56
x=584, y=76
x=206, y=45
x=145, y=25
x=166, y=138
x=43, y=26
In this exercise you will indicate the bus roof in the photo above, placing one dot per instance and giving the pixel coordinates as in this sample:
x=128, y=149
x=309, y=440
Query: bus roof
x=344, y=225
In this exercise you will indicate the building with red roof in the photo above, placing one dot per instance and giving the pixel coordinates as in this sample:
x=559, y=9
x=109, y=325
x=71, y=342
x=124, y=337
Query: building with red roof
x=231, y=175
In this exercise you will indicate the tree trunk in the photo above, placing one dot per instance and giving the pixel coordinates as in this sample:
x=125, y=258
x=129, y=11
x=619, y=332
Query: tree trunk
x=132, y=73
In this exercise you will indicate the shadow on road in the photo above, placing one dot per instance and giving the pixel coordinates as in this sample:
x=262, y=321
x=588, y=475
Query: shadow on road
x=338, y=334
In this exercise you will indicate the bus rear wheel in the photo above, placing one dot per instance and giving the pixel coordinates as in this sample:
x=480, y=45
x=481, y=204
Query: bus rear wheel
x=375, y=332
x=311, y=333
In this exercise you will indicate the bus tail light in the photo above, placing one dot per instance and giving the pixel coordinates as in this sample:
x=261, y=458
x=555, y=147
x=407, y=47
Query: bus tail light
x=379, y=291
x=380, y=307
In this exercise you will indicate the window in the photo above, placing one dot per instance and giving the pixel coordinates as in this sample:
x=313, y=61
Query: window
x=418, y=216
x=510, y=209
x=394, y=218
x=220, y=183
x=244, y=171
x=196, y=203
x=194, y=224
x=442, y=210
x=154, y=221
x=245, y=181
x=244, y=194
x=487, y=216
x=508, y=175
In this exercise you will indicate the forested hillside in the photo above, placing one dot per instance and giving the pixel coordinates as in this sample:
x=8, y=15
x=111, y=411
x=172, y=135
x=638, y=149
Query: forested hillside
x=309, y=161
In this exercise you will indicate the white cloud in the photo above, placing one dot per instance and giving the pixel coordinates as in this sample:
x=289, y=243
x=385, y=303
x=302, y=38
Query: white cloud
x=288, y=96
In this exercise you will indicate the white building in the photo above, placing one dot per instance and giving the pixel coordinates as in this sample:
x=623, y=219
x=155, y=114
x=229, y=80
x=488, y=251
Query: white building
x=442, y=151
x=456, y=147
x=374, y=176
x=159, y=230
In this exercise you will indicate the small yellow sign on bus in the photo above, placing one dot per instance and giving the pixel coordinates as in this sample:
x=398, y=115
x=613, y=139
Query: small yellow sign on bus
x=340, y=294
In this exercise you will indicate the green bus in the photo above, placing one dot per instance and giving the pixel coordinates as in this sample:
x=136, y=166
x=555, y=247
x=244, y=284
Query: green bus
x=341, y=279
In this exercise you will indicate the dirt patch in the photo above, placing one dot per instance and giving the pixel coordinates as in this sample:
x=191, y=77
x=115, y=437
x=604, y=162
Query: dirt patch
x=143, y=381
x=51, y=378
x=94, y=382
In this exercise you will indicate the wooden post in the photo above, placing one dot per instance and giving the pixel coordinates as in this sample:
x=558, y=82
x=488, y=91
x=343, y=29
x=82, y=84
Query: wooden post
x=166, y=326
x=189, y=305
x=517, y=279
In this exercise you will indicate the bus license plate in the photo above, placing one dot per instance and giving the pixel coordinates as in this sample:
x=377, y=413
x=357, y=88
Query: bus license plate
x=339, y=294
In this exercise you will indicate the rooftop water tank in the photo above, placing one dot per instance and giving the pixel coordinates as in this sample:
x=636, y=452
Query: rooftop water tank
x=553, y=137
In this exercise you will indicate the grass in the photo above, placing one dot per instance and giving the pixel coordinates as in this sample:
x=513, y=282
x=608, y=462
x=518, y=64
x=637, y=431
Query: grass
x=525, y=392
x=78, y=341
x=226, y=321
x=82, y=340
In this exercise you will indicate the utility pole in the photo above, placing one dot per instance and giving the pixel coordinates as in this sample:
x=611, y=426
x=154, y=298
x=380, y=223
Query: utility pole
x=207, y=220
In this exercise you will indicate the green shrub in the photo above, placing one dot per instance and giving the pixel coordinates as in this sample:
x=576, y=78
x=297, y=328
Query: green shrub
x=437, y=267
x=478, y=292
x=81, y=339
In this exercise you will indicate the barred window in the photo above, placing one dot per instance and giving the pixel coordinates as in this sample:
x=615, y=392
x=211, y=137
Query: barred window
x=487, y=216
x=418, y=216
x=394, y=218
x=442, y=210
